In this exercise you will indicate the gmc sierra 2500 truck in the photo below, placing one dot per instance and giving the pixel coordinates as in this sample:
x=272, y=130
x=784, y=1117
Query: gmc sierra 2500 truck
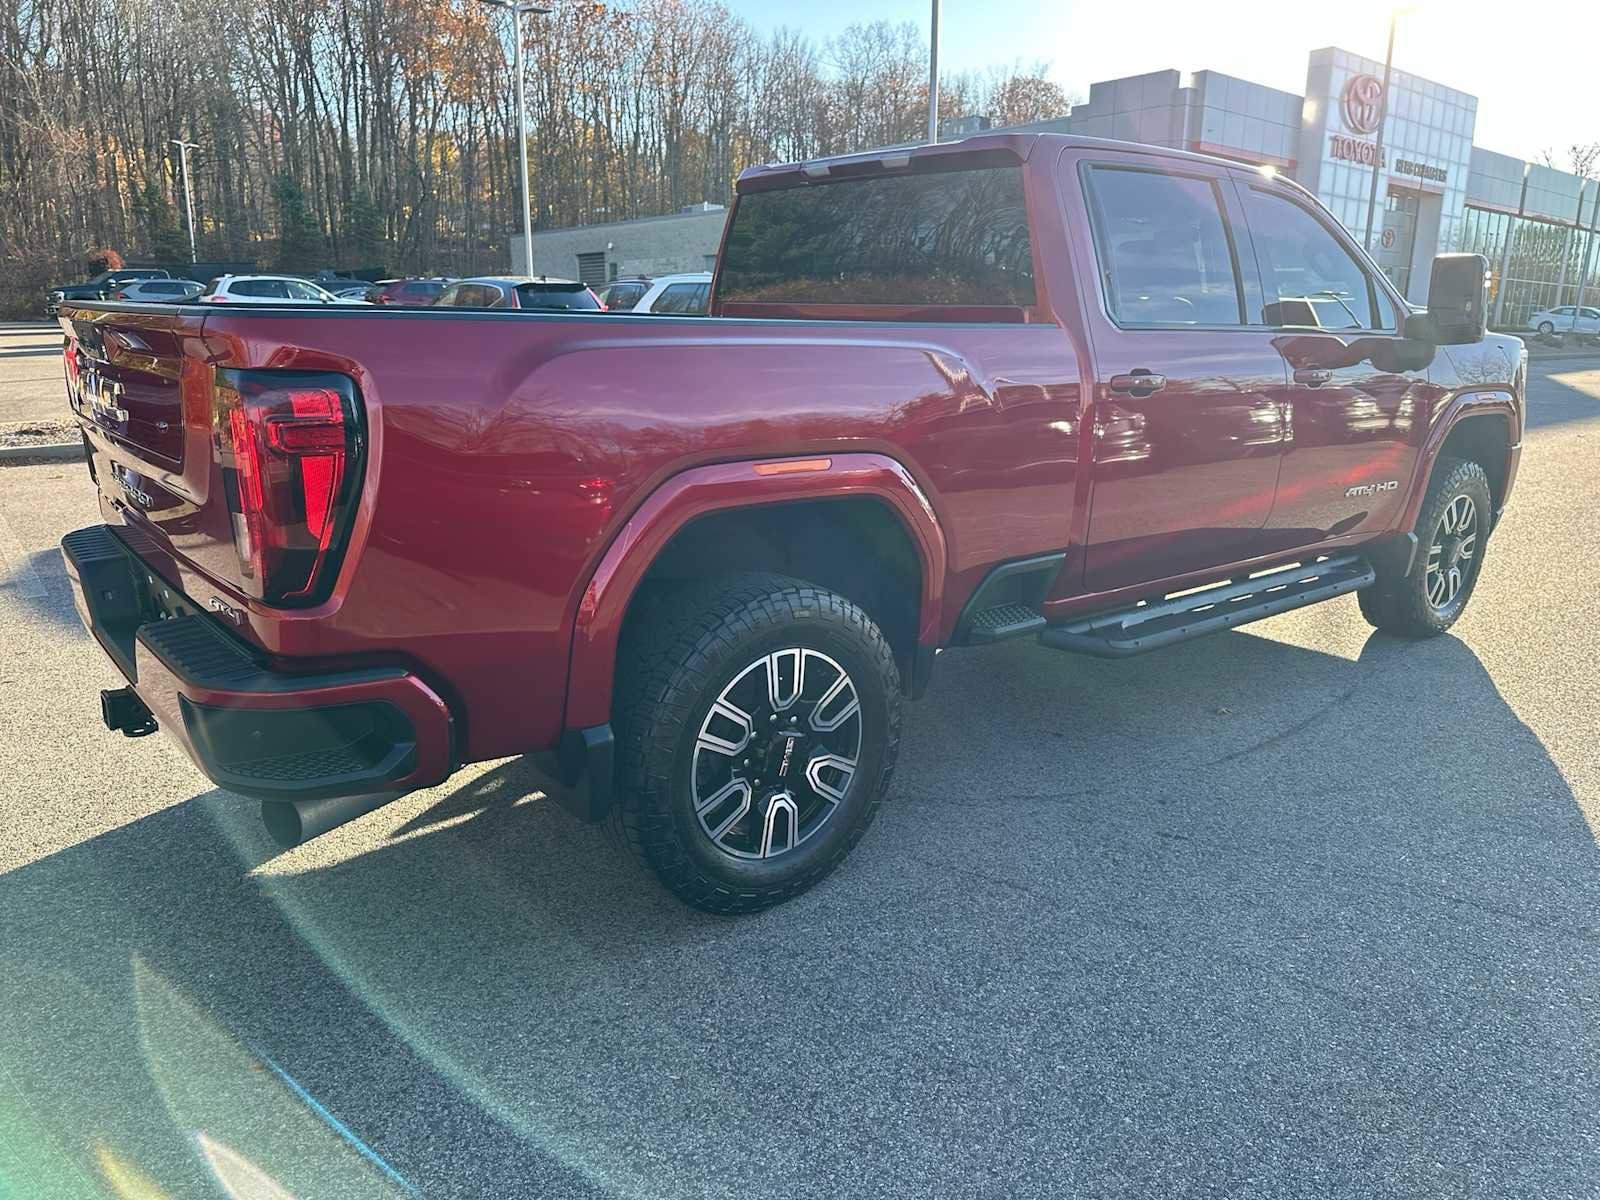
x=1108, y=396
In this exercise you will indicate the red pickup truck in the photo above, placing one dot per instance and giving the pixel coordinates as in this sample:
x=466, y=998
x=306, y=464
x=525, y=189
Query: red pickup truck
x=1109, y=396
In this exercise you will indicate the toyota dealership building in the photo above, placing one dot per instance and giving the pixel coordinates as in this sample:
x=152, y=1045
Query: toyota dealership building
x=1437, y=192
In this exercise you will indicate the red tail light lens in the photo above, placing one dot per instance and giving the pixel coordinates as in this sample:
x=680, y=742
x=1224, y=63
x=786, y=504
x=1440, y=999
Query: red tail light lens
x=289, y=444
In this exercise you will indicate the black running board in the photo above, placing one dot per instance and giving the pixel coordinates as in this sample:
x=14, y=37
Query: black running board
x=1125, y=632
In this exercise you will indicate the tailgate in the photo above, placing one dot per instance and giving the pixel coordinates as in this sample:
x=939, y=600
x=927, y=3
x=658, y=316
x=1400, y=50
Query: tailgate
x=139, y=383
x=247, y=477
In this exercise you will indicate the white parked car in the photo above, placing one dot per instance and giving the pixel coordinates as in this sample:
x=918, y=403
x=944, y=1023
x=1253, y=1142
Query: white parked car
x=268, y=289
x=686, y=295
x=1559, y=320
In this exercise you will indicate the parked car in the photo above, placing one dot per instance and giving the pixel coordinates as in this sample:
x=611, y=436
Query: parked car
x=268, y=289
x=1559, y=320
x=159, y=291
x=100, y=287
x=686, y=295
x=411, y=292
x=620, y=295
x=355, y=291
x=1021, y=385
x=519, y=291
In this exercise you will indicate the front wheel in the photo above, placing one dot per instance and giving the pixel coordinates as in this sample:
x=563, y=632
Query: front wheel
x=1451, y=529
x=757, y=719
x=1546, y=328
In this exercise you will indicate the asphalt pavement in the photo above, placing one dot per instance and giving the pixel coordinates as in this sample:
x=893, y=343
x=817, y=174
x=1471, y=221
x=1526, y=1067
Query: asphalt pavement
x=1294, y=911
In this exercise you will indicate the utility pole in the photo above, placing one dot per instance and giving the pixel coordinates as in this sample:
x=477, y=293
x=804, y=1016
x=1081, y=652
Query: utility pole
x=188, y=192
x=1383, y=120
x=933, y=76
x=516, y=8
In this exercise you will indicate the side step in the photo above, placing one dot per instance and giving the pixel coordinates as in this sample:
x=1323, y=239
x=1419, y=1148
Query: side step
x=1146, y=626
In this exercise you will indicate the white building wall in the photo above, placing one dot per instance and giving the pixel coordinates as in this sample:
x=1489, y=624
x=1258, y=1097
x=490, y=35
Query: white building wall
x=649, y=246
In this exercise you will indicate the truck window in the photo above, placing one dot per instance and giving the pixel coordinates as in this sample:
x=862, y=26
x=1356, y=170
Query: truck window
x=1165, y=256
x=1308, y=277
x=929, y=239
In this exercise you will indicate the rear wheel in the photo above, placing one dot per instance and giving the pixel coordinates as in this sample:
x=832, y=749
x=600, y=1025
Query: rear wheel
x=1451, y=531
x=758, y=719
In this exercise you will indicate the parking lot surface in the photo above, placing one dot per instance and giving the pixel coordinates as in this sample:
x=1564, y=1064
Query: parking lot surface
x=1297, y=910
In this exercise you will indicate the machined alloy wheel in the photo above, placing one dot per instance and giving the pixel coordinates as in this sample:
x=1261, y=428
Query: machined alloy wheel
x=1546, y=328
x=777, y=753
x=1452, y=526
x=1455, y=540
x=757, y=721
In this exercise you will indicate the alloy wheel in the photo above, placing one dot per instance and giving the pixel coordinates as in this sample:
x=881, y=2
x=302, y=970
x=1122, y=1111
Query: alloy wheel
x=1455, y=541
x=775, y=756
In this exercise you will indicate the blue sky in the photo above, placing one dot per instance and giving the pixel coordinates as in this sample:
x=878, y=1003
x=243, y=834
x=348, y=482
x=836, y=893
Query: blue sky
x=1534, y=78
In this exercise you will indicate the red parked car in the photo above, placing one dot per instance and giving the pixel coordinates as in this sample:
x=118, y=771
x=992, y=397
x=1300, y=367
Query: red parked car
x=1109, y=396
x=414, y=292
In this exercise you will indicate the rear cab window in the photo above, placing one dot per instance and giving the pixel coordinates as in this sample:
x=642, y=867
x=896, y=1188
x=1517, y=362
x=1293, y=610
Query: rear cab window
x=951, y=244
x=1167, y=256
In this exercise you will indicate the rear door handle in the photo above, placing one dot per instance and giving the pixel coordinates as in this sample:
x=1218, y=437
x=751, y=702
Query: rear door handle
x=1313, y=376
x=1138, y=383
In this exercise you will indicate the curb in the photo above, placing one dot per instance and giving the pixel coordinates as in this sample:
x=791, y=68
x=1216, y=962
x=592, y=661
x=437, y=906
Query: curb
x=49, y=452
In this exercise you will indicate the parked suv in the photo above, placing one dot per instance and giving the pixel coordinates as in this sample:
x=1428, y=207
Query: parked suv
x=411, y=292
x=278, y=290
x=1111, y=397
x=686, y=295
x=519, y=291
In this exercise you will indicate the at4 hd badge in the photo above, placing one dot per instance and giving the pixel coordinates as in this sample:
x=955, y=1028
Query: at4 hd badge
x=1373, y=489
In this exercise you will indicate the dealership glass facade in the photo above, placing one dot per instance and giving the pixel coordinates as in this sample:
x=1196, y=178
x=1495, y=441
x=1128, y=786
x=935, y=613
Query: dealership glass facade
x=1437, y=192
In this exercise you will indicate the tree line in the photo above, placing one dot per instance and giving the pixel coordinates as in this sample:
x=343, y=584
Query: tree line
x=383, y=132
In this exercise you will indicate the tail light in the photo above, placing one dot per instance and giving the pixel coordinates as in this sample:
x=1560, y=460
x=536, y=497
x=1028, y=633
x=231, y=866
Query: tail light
x=290, y=447
x=119, y=295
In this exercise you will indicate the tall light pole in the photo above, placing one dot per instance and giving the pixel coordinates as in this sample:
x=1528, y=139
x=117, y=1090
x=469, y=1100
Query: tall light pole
x=1383, y=119
x=188, y=193
x=933, y=76
x=516, y=8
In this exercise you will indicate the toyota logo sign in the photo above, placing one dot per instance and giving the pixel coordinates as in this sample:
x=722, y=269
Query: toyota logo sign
x=1363, y=103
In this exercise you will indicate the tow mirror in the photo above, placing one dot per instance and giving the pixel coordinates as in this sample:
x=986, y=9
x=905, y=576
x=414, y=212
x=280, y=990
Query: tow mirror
x=1458, y=302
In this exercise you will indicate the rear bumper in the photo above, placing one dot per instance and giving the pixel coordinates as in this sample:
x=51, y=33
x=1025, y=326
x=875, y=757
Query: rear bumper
x=254, y=729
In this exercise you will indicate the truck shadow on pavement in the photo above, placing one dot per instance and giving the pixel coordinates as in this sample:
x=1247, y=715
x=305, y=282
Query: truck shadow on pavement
x=1241, y=917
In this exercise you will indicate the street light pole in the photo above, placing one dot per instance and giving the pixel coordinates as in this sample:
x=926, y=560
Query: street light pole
x=188, y=193
x=1383, y=120
x=516, y=8
x=933, y=76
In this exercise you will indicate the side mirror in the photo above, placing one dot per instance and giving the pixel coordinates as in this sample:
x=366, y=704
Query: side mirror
x=1458, y=302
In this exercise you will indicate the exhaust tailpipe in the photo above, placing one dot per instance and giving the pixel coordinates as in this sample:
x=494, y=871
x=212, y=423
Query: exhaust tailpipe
x=291, y=822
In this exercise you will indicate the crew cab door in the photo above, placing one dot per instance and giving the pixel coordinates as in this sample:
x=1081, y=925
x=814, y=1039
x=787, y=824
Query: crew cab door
x=1359, y=396
x=1188, y=404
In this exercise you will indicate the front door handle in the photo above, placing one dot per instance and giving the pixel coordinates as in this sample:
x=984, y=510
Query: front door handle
x=1313, y=376
x=1138, y=383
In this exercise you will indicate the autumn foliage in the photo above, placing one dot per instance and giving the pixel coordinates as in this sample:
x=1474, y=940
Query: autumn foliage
x=383, y=133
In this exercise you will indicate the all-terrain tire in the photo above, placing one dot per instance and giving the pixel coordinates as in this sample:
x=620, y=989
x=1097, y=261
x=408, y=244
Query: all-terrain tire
x=683, y=654
x=1408, y=605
